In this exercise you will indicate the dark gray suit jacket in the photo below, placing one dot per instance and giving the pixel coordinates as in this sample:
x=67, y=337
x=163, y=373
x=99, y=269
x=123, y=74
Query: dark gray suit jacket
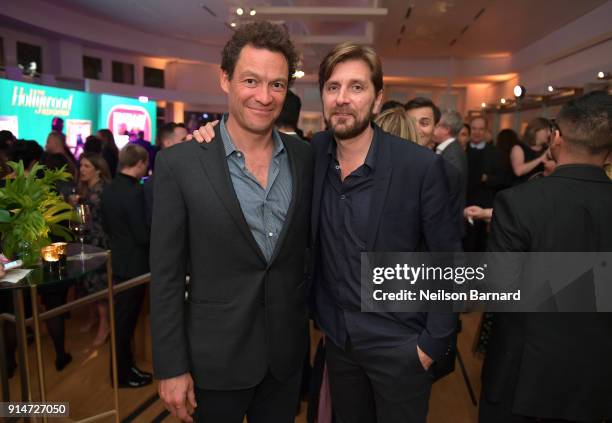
x=456, y=167
x=243, y=316
x=553, y=365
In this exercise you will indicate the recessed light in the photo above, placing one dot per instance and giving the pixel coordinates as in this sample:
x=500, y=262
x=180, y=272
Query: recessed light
x=240, y=11
x=253, y=12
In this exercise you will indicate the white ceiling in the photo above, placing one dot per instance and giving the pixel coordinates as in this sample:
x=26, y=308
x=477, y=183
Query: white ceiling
x=480, y=28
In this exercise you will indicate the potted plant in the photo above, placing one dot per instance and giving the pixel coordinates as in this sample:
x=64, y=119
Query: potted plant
x=31, y=210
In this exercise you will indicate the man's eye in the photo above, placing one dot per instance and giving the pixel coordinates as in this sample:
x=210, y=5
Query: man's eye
x=357, y=88
x=278, y=85
x=250, y=81
x=332, y=88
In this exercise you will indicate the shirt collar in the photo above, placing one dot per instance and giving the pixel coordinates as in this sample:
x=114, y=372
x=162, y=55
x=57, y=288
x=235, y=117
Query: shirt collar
x=442, y=146
x=370, y=160
x=479, y=146
x=230, y=148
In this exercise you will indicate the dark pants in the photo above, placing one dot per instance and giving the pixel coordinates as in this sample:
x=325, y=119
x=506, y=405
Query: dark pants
x=378, y=385
x=476, y=237
x=501, y=412
x=52, y=297
x=127, y=308
x=270, y=401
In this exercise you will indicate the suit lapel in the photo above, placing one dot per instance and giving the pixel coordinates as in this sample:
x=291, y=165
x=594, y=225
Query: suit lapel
x=382, y=177
x=322, y=160
x=296, y=176
x=214, y=164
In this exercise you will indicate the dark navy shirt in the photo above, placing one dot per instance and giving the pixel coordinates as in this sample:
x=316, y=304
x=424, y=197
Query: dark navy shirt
x=345, y=208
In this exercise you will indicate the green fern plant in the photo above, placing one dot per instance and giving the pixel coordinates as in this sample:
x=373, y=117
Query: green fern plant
x=30, y=209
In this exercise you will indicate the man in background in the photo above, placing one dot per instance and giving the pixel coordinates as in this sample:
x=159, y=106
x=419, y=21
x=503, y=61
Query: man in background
x=553, y=367
x=482, y=160
x=427, y=116
x=455, y=162
x=124, y=221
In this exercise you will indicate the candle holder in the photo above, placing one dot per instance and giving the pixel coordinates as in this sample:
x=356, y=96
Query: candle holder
x=50, y=259
x=61, y=247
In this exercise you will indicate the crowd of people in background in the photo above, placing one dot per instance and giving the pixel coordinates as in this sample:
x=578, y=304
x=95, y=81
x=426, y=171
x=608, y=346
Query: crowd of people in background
x=476, y=166
x=94, y=177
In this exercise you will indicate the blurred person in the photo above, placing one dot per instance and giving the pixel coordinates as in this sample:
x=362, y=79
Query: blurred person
x=56, y=144
x=249, y=191
x=27, y=151
x=7, y=140
x=427, y=115
x=166, y=137
x=94, y=178
x=391, y=104
x=124, y=221
x=464, y=136
x=57, y=125
x=180, y=132
x=109, y=149
x=483, y=163
x=56, y=162
x=529, y=155
x=455, y=162
x=507, y=139
x=536, y=370
x=395, y=122
x=478, y=213
x=139, y=139
x=93, y=145
x=287, y=121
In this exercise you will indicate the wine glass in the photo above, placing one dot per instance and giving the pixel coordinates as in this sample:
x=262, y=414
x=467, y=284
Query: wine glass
x=80, y=224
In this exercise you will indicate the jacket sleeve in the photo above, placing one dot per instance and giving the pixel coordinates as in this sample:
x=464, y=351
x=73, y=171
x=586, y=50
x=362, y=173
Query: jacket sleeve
x=441, y=235
x=168, y=271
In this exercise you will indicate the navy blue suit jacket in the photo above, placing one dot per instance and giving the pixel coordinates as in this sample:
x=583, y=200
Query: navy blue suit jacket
x=410, y=211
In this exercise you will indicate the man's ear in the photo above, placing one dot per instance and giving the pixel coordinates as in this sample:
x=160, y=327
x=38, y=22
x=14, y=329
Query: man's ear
x=224, y=81
x=378, y=102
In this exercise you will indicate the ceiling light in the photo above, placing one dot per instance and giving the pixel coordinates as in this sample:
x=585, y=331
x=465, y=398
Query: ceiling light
x=233, y=24
x=550, y=88
x=503, y=101
x=252, y=12
x=483, y=105
x=240, y=11
x=519, y=91
x=299, y=74
x=604, y=75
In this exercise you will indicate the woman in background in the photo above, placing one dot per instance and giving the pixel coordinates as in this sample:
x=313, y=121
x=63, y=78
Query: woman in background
x=110, y=152
x=395, y=122
x=94, y=176
x=529, y=156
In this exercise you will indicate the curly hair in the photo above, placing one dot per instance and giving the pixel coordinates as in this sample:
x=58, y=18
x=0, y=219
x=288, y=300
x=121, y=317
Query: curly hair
x=264, y=35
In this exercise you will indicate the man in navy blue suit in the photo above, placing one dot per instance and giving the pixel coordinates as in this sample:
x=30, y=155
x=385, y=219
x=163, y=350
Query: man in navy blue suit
x=373, y=192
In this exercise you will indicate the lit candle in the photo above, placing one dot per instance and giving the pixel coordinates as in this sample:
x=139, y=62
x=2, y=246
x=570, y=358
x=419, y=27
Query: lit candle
x=49, y=253
x=60, y=247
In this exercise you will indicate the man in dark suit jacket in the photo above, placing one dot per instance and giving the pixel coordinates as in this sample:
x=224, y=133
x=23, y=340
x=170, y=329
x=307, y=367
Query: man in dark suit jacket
x=373, y=192
x=239, y=210
x=555, y=365
x=482, y=183
x=455, y=162
x=123, y=216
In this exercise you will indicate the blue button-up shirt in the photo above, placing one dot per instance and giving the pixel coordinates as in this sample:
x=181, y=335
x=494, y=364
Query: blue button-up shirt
x=264, y=208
